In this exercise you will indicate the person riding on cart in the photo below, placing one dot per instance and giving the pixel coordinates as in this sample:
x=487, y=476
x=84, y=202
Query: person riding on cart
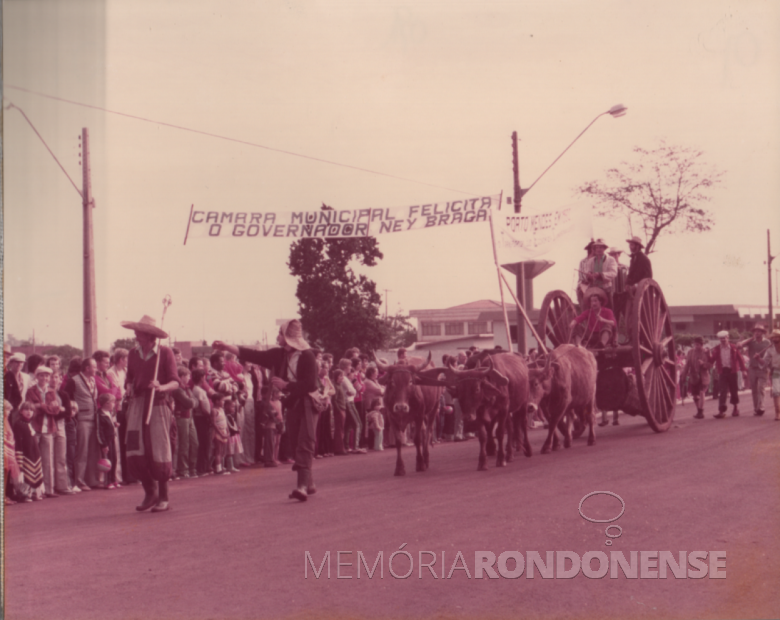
x=600, y=271
x=596, y=326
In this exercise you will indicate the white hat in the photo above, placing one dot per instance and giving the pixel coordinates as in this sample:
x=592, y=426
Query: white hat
x=722, y=334
x=292, y=332
x=43, y=370
x=18, y=357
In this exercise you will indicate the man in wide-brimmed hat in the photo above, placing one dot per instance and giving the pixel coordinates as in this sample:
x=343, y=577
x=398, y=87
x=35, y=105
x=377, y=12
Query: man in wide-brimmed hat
x=601, y=270
x=148, y=443
x=756, y=347
x=728, y=362
x=640, y=267
x=601, y=324
x=294, y=369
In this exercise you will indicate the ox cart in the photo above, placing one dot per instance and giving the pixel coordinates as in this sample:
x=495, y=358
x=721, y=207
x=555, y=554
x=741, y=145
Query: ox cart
x=637, y=375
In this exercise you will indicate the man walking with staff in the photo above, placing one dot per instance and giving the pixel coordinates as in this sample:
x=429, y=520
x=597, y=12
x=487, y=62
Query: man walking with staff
x=150, y=375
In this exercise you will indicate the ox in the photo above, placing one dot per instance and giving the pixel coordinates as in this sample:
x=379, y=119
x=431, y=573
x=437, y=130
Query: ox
x=410, y=397
x=494, y=395
x=566, y=385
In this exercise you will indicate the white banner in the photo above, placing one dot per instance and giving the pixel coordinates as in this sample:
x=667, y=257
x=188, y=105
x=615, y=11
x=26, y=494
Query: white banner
x=529, y=234
x=330, y=224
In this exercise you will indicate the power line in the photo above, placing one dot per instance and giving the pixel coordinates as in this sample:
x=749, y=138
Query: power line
x=229, y=139
x=37, y=133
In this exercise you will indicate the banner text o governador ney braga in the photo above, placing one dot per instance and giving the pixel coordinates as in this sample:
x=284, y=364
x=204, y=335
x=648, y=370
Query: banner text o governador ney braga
x=351, y=223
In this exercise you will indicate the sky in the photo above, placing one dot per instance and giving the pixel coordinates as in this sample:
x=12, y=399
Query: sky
x=425, y=93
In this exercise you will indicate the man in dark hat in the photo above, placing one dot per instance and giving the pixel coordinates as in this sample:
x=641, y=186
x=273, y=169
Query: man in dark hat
x=294, y=371
x=640, y=267
x=757, y=366
x=150, y=375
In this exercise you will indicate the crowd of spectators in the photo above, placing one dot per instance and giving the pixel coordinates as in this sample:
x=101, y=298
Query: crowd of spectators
x=65, y=431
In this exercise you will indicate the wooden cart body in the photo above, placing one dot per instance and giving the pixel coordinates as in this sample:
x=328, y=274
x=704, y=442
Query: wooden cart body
x=639, y=374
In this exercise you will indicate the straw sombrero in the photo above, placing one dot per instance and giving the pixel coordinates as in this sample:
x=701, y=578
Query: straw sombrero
x=595, y=290
x=292, y=332
x=147, y=325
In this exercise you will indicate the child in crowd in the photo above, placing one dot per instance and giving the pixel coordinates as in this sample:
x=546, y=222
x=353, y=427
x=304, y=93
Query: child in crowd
x=28, y=455
x=339, y=402
x=353, y=425
x=266, y=425
x=185, y=401
x=276, y=405
x=376, y=422
x=233, y=447
x=221, y=433
x=11, y=471
x=201, y=416
x=105, y=430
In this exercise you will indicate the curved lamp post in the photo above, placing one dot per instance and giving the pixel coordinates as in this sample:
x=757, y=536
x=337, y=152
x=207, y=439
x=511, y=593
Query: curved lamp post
x=615, y=111
x=519, y=269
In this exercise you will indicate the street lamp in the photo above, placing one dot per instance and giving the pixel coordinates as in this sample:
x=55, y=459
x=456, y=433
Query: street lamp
x=519, y=269
x=615, y=111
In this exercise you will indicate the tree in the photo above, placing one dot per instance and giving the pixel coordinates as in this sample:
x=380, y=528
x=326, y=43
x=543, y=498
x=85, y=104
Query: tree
x=399, y=332
x=663, y=188
x=339, y=309
x=124, y=343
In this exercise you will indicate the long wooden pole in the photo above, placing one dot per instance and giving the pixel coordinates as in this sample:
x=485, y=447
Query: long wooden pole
x=90, y=310
x=525, y=316
x=166, y=303
x=769, y=259
x=498, y=271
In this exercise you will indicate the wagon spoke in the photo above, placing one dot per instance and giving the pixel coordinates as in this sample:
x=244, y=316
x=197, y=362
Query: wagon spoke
x=659, y=328
x=668, y=378
x=646, y=365
x=647, y=338
x=646, y=323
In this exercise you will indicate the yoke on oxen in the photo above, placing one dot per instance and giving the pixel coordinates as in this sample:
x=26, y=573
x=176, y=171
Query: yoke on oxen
x=492, y=394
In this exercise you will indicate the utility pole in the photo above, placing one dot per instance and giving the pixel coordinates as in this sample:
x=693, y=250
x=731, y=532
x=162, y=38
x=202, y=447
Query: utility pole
x=769, y=259
x=520, y=267
x=387, y=290
x=90, y=309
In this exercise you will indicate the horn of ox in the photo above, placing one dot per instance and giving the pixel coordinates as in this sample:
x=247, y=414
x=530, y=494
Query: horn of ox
x=412, y=367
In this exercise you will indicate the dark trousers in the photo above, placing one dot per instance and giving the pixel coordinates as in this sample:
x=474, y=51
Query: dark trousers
x=111, y=474
x=70, y=449
x=324, y=434
x=202, y=427
x=727, y=384
x=302, y=433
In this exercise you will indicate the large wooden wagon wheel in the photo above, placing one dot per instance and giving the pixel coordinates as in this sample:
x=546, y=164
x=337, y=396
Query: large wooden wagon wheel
x=554, y=318
x=654, y=355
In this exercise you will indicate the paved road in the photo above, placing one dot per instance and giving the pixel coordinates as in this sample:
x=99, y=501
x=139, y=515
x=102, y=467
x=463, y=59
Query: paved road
x=234, y=547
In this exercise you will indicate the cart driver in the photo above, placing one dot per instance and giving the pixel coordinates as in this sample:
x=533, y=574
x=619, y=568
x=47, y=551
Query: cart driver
x=600, y=271
x=600, y=327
